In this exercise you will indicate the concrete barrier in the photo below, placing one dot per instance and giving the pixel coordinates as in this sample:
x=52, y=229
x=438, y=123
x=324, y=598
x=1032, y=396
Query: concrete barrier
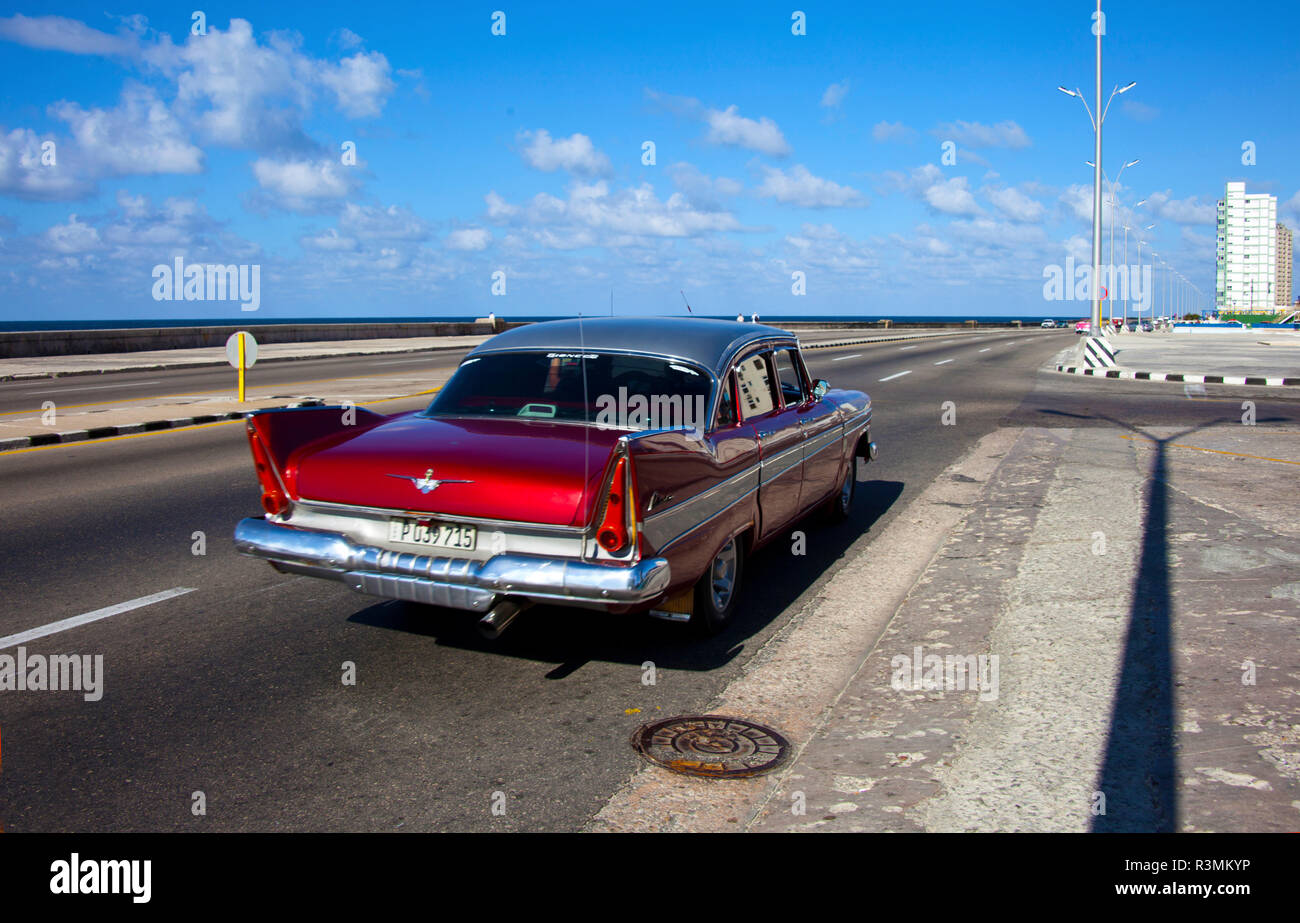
x=28, y=343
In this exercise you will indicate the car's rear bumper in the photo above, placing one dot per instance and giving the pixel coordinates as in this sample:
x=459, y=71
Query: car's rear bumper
x=453, y=582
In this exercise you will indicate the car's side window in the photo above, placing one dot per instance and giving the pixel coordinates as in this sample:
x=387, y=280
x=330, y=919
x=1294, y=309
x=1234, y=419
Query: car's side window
x=754, y=379
x=791, y=379
x=726, y=404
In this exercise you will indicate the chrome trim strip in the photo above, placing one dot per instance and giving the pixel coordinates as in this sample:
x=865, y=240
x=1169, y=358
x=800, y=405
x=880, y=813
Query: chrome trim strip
x=382, y=572
x=666, y=527
x=703, y=522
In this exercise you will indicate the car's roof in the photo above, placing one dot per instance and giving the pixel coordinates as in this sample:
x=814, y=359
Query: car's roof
x=709, y=343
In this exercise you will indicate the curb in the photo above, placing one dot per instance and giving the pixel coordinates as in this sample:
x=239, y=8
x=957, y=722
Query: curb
x=1184, y=377
x=127, y=429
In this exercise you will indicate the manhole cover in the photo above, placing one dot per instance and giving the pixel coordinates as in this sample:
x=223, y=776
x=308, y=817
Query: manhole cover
x=714, y=746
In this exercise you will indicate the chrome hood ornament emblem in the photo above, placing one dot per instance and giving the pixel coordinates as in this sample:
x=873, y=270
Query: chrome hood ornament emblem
x=428, y=483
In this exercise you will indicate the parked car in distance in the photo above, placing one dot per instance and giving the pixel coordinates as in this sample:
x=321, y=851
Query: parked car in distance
x=1083, y=326
x=1048, y=324
x=619, y=464
x=1146, y=326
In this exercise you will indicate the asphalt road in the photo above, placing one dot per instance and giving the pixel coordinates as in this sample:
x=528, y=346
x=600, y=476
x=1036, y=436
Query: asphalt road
x=234, y=689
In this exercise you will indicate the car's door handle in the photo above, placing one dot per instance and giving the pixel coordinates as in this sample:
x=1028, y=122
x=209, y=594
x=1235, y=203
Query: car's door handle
x=764, y=433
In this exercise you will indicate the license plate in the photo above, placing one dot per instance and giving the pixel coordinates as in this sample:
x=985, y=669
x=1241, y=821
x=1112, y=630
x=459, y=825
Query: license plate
x=433, y=534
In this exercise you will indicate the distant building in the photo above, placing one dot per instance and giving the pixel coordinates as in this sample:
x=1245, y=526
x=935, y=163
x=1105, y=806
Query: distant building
x=1246, y=279
x=1284, y=244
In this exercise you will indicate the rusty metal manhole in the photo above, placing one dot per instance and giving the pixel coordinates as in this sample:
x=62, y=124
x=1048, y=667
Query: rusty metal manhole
x=713, y=746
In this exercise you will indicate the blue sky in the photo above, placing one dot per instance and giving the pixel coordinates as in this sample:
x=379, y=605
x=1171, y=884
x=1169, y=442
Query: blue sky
x=522, y=153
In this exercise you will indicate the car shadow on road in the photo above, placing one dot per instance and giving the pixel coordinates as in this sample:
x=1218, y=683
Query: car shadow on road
x=571, y=637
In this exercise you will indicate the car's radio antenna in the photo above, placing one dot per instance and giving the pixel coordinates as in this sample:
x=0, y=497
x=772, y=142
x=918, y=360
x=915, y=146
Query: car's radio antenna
x=586, y=407
x=687, y=303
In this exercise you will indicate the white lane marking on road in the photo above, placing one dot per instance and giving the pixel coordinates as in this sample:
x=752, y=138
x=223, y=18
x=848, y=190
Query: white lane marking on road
x=134, y=384
x=986, y=349
x=842, y=358
x=901, y=348
x=85, y=618
x=899, y=375
x=943, y=362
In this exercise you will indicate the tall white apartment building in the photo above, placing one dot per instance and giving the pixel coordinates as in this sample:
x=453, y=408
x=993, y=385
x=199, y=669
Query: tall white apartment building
x=1247, y=250
x=1284, y=244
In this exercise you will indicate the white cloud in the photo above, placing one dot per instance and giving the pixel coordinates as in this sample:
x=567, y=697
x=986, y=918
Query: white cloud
x=802, y=188
x=368, y=222
x=245, y=94
x=822, y=246
x=703, y=191
x=138, y=137
x=576, y=154
x=892, y=131
x=360, y=84
x=977, y=134
x=952, y=197
x=948, y=195
x=57, y=33
x=472, y=239
x=1182, y=211
x=1015, y=204
x=25, y=176
x=593, y=215
x=835, y=94
x=73, y=238
x=729, y=128
x=330, y=241
x=302, y=185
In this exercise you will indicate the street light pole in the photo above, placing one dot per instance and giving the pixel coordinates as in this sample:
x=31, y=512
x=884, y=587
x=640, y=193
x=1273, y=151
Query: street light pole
x=1097, y=123
x=1096, y=186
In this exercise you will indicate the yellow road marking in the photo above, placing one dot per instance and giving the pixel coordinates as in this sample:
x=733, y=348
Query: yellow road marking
x=1179, y=445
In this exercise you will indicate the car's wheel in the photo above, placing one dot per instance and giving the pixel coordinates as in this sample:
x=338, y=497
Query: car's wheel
x=840, y=504
x=717, y=594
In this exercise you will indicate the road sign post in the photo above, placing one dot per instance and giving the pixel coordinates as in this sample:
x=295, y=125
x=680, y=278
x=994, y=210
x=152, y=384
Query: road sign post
x=241, y=352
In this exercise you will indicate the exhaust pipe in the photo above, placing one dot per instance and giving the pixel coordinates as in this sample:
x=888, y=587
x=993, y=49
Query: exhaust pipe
x=499, y=617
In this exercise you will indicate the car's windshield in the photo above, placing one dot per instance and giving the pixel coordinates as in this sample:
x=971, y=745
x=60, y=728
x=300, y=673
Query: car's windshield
x=622, y=391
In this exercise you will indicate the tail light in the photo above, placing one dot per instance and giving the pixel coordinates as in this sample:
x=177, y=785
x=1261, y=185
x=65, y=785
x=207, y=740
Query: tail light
x=274, y=500
x=616, y=531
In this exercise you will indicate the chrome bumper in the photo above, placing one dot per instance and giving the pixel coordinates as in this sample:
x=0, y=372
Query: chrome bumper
x=452, y=582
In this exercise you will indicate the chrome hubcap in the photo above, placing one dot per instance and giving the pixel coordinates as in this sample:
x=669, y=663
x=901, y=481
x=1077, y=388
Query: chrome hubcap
x=722, y=580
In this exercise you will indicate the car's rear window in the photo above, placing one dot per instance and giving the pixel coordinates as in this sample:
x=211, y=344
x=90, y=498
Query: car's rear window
x=624, y=391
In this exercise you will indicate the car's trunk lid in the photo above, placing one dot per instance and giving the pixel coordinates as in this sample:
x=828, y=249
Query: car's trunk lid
x=520, y=470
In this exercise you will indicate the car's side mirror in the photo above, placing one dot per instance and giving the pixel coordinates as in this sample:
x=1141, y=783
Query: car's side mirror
x=820, y=387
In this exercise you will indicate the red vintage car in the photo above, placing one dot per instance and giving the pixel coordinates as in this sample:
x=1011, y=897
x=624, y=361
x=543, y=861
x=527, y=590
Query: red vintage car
x=622, y=464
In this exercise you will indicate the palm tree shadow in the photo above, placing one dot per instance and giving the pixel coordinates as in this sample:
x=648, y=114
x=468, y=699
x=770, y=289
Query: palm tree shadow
x=1138, y=777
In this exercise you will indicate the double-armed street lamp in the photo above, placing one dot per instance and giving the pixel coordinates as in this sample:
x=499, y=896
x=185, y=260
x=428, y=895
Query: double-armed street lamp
x=1097, y=123
x=1110, y=280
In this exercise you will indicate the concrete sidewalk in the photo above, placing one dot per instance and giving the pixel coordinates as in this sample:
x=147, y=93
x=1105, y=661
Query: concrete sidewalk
x=1264, y=358
x=1139, y=592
